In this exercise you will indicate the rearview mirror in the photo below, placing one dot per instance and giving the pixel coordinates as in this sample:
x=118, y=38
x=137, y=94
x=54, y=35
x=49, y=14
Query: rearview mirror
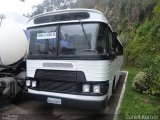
x=112, y=54
x=114, y=35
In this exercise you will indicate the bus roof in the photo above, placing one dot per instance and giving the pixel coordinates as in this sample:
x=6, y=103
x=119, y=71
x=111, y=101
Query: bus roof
x=68, y=16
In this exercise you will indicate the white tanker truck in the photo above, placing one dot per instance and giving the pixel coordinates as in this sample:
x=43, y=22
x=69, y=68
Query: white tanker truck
x=13, y=47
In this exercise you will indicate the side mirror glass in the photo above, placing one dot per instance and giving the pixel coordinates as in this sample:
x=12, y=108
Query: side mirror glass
x=114, y=35
x=112, y=54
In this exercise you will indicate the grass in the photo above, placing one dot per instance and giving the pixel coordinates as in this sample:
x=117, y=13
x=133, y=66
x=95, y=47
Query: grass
x=134, y=103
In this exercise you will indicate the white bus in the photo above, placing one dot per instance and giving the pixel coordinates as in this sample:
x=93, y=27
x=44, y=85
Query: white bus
x=74, y=58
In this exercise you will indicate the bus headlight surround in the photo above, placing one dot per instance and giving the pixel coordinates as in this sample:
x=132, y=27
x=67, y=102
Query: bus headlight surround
x=86, y=88
x=28, y=83
x=96, y=88
x=34, y=83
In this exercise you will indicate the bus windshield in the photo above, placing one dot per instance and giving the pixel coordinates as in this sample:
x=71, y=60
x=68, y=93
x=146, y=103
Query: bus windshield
x=68, y=40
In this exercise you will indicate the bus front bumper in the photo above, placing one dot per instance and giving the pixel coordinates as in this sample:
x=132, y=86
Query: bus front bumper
x=80, y=101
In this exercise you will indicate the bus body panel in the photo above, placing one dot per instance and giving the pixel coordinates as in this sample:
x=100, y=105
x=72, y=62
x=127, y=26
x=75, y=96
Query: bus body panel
x=101, y=70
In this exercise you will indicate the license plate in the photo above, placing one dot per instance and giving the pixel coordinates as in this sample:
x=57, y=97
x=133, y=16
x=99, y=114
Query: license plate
x=54, y=100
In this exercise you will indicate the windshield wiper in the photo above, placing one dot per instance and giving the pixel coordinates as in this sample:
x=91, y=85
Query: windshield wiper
x=84, y=32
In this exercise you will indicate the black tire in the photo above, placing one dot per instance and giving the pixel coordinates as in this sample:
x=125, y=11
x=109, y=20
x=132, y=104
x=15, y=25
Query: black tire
x=113, y=85
x=18, y=98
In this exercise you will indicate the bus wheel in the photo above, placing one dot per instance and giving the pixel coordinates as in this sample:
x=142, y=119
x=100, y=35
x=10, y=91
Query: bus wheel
x=113, y=86
x=16, y=99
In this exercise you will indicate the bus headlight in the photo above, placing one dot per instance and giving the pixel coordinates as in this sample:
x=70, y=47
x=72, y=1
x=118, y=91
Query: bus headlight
x=86, y=88
x=28, y=83
x=34, y=83
x=96, y=89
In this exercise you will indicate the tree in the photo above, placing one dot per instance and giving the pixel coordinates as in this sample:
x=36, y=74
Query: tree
x=51, y=5
x=85, y=4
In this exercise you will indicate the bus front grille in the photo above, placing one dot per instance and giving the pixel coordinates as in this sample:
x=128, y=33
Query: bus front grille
x=65, y=87
x=59, y=80
x=56, y=75
x=60, y=75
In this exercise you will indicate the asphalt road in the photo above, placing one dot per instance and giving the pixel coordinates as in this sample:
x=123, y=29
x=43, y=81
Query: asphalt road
x=33, y=110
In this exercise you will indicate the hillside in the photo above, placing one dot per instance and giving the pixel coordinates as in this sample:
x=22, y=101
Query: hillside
x=138, y=25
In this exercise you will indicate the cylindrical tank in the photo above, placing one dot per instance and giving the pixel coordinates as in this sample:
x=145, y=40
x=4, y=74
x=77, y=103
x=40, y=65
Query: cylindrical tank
x=13, y=41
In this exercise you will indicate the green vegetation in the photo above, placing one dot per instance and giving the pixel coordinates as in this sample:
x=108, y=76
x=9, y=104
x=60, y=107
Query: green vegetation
x=141, y=82
x=135, y=103
x=143, y=51
x=138, y=26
